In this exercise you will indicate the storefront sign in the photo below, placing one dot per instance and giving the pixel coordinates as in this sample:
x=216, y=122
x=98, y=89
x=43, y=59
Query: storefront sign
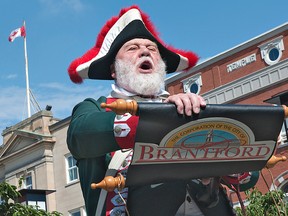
x=241, y=63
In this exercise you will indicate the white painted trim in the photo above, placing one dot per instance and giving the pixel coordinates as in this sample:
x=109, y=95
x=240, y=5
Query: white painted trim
x=249, y=84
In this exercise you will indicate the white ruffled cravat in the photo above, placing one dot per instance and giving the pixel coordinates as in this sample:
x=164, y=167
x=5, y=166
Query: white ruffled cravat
x=118, y=92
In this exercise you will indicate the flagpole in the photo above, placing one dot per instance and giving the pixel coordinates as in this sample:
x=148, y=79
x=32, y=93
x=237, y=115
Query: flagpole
x=27, y=78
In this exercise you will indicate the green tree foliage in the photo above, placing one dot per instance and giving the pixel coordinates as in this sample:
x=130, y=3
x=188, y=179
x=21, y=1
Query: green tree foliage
x=270, y=204
x=8, y=207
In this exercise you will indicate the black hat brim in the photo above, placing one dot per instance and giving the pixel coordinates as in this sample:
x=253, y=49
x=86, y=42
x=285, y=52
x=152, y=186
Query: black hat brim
x=101, y=68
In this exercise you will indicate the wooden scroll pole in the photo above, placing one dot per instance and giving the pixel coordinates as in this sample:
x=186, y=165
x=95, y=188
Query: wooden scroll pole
x=274, y=160
x=110, y=183
x=120, y=107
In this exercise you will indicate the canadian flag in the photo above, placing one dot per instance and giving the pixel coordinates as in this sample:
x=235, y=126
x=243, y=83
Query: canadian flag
x=19, y=32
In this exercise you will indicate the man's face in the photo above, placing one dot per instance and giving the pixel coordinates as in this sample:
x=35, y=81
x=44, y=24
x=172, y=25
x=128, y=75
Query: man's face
x=139, y=67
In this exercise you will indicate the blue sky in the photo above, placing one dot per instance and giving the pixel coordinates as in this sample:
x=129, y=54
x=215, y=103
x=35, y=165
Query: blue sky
x=58, y=31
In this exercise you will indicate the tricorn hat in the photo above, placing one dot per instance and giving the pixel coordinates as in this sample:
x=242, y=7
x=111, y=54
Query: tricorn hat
x=131, y=23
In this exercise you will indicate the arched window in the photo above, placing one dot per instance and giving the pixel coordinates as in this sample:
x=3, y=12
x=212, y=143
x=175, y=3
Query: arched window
x=271, y=51
x=192, y=84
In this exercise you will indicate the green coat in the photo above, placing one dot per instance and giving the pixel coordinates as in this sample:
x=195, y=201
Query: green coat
x=90, y=133
x=90, y=137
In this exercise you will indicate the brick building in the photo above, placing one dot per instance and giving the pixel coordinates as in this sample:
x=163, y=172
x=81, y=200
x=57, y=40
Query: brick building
x=254, y=72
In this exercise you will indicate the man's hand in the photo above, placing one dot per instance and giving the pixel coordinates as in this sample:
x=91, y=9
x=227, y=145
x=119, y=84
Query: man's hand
x=187, y=103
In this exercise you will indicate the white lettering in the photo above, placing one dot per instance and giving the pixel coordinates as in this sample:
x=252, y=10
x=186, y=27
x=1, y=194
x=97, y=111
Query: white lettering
x=241, y=63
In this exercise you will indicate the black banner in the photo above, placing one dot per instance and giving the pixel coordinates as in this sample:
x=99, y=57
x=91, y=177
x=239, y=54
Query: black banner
x=220, y=140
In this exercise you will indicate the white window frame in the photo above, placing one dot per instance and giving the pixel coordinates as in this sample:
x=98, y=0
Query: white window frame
x=187, y=83
x=80, y=210
x=30, y=185
x=38, y=204
x=70, y=169
x=265, y=48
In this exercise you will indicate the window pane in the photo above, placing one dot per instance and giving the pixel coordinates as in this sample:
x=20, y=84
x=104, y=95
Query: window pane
x=273, y=54
x=38, y=204
x=73, y=174
x=70, y=161
x=76, y=213
x=41, y=205
x=28, y=182
x=72, y=170
x=194, y=88
x=32, y=203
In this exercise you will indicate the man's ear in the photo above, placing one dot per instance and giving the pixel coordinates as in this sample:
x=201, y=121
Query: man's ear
x=112, y=69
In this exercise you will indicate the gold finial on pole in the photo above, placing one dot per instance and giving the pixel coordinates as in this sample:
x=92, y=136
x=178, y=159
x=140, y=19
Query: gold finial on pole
x=110, y=183
x=121, y=106
x=274, y=160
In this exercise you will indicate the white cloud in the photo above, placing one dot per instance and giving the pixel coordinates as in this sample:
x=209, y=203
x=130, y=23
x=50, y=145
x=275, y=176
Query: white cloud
x=62, y=98
x=57, y=6
x=12, y=102
x=11, y=76
x=76, y=5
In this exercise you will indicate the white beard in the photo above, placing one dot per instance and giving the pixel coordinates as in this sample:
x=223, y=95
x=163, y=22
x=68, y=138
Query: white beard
x=128, y=78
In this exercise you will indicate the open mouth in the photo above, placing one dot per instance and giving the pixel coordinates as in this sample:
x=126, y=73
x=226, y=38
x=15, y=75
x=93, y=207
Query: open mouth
x=146, y=65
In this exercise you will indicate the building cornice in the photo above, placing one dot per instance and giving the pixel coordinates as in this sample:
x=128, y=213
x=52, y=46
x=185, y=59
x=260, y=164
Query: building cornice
x=257, y=81
x=254, y=41
x=36, y=139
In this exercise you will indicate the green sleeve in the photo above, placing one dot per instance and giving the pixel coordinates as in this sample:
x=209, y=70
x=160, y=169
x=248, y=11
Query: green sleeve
x=90, y=133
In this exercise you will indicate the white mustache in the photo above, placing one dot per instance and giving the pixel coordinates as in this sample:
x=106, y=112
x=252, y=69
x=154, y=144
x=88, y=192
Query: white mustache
x=144, y=59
